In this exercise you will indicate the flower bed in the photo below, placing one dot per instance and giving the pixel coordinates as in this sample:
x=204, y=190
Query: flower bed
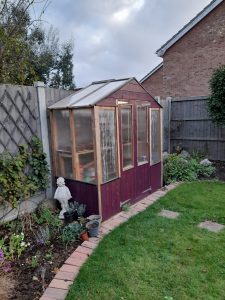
x=32, y=249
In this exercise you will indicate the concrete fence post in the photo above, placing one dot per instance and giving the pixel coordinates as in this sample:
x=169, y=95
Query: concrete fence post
x=42, y=105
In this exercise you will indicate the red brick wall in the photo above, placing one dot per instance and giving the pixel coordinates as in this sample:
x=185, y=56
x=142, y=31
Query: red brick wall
x=154, y=84
x=189, y=63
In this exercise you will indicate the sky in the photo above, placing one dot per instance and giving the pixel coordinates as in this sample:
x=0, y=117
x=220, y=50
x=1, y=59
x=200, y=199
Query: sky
x=118, y=38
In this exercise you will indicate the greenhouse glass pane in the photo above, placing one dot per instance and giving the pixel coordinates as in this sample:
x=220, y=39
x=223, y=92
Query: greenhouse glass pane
x=142, y=134
x=127, y=140
x=84, y=145
x=155, y=137
x=107, y=123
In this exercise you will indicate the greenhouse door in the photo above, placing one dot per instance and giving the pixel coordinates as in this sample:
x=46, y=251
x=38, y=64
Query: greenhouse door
x=135, y=175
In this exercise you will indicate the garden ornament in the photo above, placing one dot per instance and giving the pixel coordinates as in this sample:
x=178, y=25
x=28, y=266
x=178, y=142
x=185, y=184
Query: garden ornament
x=62, y=194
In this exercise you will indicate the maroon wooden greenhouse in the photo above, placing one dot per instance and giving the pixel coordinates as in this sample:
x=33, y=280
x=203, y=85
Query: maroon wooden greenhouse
x=106, y=143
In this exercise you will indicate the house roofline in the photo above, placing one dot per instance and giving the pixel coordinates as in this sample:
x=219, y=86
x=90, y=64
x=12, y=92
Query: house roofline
x=152, y=72
x=213, y=4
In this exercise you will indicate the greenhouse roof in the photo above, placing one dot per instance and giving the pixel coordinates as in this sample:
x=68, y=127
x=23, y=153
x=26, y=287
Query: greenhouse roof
x=92, y=94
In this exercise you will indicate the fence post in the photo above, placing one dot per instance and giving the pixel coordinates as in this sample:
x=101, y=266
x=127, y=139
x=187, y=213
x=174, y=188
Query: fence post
x=169, y=120
x=42, y=105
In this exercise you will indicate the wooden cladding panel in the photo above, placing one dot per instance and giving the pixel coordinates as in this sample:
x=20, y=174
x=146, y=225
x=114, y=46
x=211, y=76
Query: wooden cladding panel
x=84, y=193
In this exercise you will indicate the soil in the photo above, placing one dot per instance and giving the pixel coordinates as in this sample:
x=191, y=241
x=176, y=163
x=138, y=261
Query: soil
x=31, y=281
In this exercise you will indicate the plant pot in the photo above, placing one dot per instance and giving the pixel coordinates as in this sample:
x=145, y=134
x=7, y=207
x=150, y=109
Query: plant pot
x=68, y=218
x=93, y=228
x=84, y=236
x=95, y=218
x=75, y=216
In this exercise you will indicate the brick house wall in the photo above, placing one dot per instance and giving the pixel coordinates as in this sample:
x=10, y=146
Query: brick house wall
x=189, y=63
x=154, y=83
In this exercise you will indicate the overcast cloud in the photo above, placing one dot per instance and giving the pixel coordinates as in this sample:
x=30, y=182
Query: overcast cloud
x=118, y=38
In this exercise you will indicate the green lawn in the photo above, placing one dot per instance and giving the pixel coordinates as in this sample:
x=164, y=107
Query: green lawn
x=151, y=257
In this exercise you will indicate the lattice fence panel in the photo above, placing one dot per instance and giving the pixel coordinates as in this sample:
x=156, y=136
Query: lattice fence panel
x=19, y=117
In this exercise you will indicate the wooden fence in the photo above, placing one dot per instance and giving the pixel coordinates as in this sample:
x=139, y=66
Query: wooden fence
x=20, y=113
x=188, y=125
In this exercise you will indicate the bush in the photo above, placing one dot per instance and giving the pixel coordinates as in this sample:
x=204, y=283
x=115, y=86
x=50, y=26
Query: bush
x=216, y=103
x=71, y=233
x=177, y=168
x=24, y=174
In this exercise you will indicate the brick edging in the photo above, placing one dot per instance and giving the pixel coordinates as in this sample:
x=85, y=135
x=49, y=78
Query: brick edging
x=59, y=286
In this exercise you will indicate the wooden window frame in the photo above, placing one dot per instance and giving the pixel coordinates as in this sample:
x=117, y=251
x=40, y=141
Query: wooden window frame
x=121, y=106
x=160, y=135
x=114, y=108
x=57, y=154
x=147, y=133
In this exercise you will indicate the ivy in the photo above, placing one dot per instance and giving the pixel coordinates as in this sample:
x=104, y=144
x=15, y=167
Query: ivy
x=216, y=103
x=24, y=174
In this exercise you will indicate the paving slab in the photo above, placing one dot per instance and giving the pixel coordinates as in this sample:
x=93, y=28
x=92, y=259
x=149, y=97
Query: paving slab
x=211, y=226
x=168, y=214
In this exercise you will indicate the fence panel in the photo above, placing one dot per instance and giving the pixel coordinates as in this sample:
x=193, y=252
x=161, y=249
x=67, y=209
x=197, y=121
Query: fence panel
x=192, y=129
x=19, y=116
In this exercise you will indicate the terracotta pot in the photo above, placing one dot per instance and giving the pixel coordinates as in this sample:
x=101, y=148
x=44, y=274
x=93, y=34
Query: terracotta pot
x=84, y=236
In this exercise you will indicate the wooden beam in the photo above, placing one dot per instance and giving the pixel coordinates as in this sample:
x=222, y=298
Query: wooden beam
x=117, y=137
x=53, y=142
x=98, y=157
x=75, y=165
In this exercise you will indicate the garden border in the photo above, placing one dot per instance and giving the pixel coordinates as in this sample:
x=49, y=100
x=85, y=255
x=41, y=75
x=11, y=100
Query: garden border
x=59, y=286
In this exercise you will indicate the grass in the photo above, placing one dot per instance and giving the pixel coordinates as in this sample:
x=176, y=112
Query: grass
x=152, y=257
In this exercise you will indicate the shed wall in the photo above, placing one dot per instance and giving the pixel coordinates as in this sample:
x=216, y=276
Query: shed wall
x=84, y=193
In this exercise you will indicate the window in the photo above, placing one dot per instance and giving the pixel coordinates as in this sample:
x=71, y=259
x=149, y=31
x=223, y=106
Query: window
x=127, y=138
x=155, y=136
x=63, y=144
x=85, y=162
x=107, y=124
x=142, y=134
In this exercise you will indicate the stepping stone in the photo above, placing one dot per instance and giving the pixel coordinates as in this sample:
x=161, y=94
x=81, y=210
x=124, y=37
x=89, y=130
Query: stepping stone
x=168, y=214
x=211, y=226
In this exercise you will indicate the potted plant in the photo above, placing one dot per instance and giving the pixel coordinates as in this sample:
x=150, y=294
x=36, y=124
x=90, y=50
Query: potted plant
x=84, y=235
x=71, y=214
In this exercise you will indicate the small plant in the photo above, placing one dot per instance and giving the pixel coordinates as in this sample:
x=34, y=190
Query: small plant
x=47, y=217
x=49, y=256
x=81, y=210
x=15, y=247
x=71, y=233
x=126, y=207
x=4, y=264
x=34, y=261
x=76, y=208
x=43, y=235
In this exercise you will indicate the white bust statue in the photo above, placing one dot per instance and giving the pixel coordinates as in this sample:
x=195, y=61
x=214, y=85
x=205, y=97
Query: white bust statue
x=62, y=194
